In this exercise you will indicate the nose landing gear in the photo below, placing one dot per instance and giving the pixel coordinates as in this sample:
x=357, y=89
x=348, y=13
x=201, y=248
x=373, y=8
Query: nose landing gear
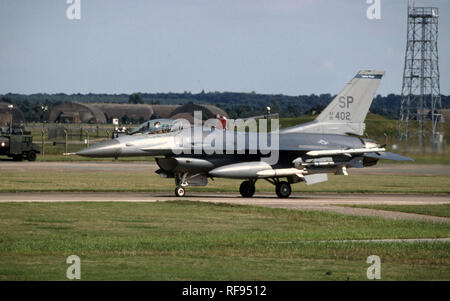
x=185, y=179
x=179, y=191
x=180, y=181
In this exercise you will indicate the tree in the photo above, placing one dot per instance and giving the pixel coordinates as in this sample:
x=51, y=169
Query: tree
x=275, y=106
x=135, y=98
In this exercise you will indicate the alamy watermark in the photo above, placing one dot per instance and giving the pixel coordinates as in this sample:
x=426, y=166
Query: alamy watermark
x=373, y=12
x=237, y=137
x=74, y=270
x=374, y=271
x=73, y=11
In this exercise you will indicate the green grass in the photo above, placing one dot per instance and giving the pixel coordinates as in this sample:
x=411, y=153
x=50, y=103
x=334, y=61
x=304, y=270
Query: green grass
x=202, y=241
x=442, y=210
x=91, y=180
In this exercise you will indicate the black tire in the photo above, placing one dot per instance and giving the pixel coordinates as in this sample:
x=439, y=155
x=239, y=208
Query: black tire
x=179, y=191
x=31, y=156
x=283, y=189
x=247, y=189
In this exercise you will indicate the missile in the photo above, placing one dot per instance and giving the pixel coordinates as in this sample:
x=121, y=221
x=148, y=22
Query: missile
x=280, y=172
x=345, y=151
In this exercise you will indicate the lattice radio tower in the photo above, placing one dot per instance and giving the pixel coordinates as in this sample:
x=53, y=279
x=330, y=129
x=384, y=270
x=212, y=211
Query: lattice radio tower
x=420, y=111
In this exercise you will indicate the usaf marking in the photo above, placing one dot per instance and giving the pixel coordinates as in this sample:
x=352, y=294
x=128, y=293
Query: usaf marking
x=344, y=103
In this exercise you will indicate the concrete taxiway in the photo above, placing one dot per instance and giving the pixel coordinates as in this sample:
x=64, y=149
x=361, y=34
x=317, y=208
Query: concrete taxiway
x=322, y=202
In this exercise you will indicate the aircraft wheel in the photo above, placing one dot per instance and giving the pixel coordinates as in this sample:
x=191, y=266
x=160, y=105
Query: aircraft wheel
x=31, y=156
x=247, y=189
x=283, y=189
x=179, y=191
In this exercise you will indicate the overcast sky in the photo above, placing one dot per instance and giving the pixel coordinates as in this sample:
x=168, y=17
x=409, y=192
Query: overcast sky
x=288, y=47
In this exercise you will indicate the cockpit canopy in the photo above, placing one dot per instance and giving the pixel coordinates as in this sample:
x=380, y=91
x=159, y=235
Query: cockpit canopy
x=158, y=126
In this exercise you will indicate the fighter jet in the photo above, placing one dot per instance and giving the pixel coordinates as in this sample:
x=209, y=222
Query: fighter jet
x=331, y=143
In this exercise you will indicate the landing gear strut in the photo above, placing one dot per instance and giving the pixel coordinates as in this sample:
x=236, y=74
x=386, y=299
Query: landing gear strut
x=180, y=181
x=185, y=179
x=247, y=188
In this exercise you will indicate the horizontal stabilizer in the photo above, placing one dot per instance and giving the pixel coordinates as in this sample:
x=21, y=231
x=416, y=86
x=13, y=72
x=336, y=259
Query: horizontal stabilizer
x=388, y=156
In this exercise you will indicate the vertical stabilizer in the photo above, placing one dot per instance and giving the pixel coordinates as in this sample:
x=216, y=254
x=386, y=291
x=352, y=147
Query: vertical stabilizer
x=347, y=111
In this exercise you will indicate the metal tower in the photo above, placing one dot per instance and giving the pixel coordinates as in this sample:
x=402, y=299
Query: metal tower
x=420, y=110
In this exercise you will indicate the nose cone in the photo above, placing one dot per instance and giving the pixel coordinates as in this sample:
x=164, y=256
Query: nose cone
x=109, y=148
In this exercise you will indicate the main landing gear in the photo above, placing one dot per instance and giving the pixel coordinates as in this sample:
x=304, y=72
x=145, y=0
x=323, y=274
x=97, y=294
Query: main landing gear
x=282, y=188
x=247, y=188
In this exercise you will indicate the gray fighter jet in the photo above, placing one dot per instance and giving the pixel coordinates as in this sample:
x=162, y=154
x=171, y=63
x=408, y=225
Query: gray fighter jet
x=305, y=153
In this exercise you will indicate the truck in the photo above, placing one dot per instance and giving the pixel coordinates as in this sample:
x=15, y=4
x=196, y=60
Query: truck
x=18, y=144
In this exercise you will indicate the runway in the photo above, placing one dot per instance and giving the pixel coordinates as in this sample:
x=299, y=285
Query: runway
x=313, y=201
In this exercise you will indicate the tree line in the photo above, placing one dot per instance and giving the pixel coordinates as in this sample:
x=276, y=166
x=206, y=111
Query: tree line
x=238, y=105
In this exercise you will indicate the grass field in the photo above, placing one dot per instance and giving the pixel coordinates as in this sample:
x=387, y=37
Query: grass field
x=92, y=180
x=435, y=210
x=202, y=241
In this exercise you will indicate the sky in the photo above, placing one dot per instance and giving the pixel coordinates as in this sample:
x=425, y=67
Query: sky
x=291, y=47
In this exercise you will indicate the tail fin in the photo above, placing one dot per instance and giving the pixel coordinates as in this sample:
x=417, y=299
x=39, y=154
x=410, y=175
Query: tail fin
x=347, y=111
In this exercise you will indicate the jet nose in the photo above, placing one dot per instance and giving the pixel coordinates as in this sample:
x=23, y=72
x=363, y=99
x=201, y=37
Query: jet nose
x=109, y=148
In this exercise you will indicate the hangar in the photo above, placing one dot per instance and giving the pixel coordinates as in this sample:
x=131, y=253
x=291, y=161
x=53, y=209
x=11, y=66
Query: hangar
x=5, y=114
x=75, y=112
x=187, y=112
x=125, y=112
x=164, y=111
x=105, y=112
